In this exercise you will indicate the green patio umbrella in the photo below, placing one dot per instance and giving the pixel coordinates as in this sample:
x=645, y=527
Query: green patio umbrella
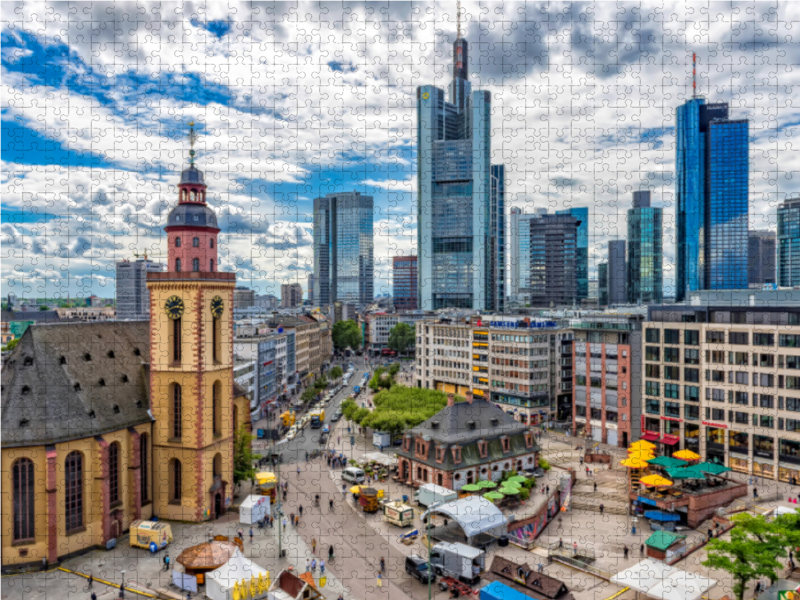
x=684, y=473
x=520, y=479
x=493, y=496
x=510, y=491
x=471, y=487
x=712, y=468
x=667, y=461
x=487, y=485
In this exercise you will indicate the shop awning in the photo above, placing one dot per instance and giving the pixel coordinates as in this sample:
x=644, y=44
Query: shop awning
x=650, y=436
x=670, y=440
x=648, y=501
x=660, y=515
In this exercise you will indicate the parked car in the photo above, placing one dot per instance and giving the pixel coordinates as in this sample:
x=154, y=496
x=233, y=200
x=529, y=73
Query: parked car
x=336, y=416
x=326, y=429
x=418, y=568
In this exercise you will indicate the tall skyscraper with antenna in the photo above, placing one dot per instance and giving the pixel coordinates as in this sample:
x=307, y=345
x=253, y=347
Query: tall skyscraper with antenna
x=461, y=220
x=712, y=167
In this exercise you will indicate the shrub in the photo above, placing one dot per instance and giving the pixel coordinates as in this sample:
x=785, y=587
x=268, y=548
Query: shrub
x=524, y=494
x=544, y=464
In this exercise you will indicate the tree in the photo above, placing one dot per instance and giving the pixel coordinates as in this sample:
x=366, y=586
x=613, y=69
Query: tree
x=336, y=372
x=11, y=345
x=401, y=337
x=243, y=456
x=43, y=307
x=346, y=334
x=308, y=395
x=751, y=552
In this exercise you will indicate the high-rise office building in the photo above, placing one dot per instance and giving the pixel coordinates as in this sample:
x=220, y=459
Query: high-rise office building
x=602, y=284
x=761, y=258
x=311, y=289
x=243, y=297
x=519, y=252
x=343, y=249
x=712, y=164
x=291, y=295
x=789, y=243
x=455, y=216
x=554, y=240
x=581, y=250
x=133, y=299
x=617, y=273
x=404, y=282
x=496, y=293
x=645, y=252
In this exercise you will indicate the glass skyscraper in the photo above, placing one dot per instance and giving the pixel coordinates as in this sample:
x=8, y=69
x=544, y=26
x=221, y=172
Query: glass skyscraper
x=789, y=243
x=343, y=249
x=519, y=251
x=712, y=164
x=645, y=252
x=582, y=250
x=459, y=230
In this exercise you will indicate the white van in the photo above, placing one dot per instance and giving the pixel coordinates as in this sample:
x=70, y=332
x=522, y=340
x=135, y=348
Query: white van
x=353, y=475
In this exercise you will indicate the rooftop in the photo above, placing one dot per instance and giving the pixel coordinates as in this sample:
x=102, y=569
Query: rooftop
x=465, y=422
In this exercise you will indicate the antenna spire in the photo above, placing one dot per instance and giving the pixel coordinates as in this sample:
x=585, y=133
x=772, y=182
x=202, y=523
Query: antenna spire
x=458, y=21
x=192, y=140
x=694, y=75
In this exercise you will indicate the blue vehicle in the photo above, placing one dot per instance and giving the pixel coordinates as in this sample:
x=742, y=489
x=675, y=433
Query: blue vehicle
x=326, y=429
x=357, y=390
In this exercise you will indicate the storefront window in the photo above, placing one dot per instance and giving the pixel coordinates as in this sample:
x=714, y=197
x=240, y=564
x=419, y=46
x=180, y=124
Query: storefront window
x=652, y=424
x=764, y=446
x=692, y=437
x=739, y=464
x=763, y=470
x=789, y=451
x=739, y=442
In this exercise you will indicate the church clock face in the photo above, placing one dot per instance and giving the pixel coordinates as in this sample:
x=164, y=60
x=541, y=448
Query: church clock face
x=174, y=307
x=217, y=307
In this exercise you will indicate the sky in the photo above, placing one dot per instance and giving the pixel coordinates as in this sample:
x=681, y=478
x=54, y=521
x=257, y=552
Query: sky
x=295, y=100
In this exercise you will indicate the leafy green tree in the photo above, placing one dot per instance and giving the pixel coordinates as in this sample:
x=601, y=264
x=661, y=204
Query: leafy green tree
x=394, y=370
x=308, y=395
x=381, y=379
x=243, y=456
x=43, y=307
x=349, y=408
x=750, y=553
x=336, y=372
x=360, y=415
x=787, y=528
x=321, y=383
x=346, y=334
x=401, y=337
x=11, y=345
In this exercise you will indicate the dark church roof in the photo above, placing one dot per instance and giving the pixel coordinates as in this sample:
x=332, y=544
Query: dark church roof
x=194, y=215
x=75, y=380
x=192, y=174
x=465, y=422
x=527, y=580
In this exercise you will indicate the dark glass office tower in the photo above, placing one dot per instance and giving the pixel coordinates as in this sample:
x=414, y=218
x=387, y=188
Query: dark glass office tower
x=712, y=164
x=582, y=250
x=789, y=243
x=761, y=258
x=617, y=273
x=554, y=242
x=456, y=219
x=343, y=249
x=645, y=252
x=496, y=293
x=602, y=284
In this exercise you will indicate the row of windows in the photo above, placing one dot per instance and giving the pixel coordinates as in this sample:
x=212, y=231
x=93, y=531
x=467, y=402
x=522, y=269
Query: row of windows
x=691, y=338
x=195, y=242
x=195, y=265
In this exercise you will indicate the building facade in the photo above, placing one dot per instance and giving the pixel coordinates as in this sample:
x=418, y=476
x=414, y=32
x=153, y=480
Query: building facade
x=379, y=326
x=506, y=360
x=581, y=250
x=554, y=268
x=519, y=250
x=602, y=284
x=712, y=164
x=761, y=256
x=724, y=381
x=343, y=249
x=789, y=243
x=617, y=273
x=464, y=443
x=404, y=282
x=606, y=367
x=457, y=257
x=243, y=298
x=496, y=292
x=133, y=299
x=645, y=278
x=291, y=295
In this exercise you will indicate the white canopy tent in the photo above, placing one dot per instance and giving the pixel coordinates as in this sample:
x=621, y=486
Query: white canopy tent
x=378, y=457
x=475, y=515
x=659, y=580
x=219, y=582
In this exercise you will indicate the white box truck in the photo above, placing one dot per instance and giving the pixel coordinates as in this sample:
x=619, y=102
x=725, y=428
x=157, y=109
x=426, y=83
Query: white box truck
x=253, y=509
x=429, y=493
x=458, y=561
x=381, y=440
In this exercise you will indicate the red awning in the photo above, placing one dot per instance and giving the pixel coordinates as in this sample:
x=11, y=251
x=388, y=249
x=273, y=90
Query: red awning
x=670, y=440
x=651, y=436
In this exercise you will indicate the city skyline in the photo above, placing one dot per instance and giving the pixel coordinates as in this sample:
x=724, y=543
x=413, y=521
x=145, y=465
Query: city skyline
x=98, y=198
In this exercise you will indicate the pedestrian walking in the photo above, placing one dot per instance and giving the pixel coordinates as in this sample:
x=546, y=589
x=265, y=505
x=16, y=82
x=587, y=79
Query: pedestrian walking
x=291, y=518
x=755, y=493
x=575, y=548
x=313, y=564
x=560, y=542
x=547, y=489
x=602, y=507
x=313, y=545
x=93, y=596
x=625, y=551
x=91, y=581
x=308, y=565
x=241, y=534
x=595, y=486
x=641, y=549
x=749, y=481
x=540, y=568
x=383, y=565
x=322, y=566
x=297, y=520
x=271, y=522
x=166, y=562
x=301, y=510
x=251, y=535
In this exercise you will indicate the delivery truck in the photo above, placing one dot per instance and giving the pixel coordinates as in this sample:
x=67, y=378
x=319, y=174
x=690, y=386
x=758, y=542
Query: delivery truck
x=381, y=440
x=317, y=418
x=287, y=418
x=459, y=561
x=429, y=493
x=152, y=535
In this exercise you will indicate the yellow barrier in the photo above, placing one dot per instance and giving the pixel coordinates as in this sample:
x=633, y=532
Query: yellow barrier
x=108, y=583
x=618, y=594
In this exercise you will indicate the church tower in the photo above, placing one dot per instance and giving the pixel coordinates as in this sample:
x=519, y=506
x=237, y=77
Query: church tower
x=191, y=363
